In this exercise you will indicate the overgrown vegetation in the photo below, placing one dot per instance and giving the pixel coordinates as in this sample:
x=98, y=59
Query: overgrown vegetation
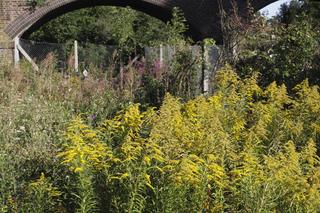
x=32, y=4
x=242, y=149
x=284, y=49
x=140, y=138
x=104, y=26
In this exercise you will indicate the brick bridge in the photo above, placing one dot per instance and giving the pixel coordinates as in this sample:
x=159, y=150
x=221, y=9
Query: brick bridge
x=17, y=19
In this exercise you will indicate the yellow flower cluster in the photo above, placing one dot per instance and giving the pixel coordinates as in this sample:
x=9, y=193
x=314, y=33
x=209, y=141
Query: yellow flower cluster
x=83, y=149
x=43, y=184
x=244, y=149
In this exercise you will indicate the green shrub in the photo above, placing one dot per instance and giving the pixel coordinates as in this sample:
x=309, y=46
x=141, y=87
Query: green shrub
x=244, y=149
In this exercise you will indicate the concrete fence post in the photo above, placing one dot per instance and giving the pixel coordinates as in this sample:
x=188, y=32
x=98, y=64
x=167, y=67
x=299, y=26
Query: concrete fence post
x=16, y=51
x=76, y=58
x=161, y=56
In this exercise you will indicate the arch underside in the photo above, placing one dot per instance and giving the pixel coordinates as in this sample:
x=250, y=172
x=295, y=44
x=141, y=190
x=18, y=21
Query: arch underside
x=30, y=21
x=202, y=15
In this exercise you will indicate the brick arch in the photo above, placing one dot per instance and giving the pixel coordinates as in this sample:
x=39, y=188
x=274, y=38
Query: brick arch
x=29, y=21
x=202, y=15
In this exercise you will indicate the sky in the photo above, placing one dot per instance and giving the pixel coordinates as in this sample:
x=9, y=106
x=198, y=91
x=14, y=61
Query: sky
x=272, y=9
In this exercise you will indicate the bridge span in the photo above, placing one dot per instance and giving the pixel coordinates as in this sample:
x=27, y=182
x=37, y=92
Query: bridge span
x=17, y=19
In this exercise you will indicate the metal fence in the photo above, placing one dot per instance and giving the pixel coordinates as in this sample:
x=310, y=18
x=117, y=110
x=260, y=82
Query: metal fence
x=102, y=56
x=39, y=51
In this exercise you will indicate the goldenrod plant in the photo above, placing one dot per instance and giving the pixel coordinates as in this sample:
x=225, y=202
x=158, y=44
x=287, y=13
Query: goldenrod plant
x=242, y=149
x=41, y=196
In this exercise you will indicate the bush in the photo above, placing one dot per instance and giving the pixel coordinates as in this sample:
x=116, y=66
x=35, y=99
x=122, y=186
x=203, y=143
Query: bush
x=35, y=109
x=244, y=149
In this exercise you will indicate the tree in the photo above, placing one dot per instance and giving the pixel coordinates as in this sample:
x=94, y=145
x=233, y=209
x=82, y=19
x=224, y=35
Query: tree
x=285, y=50
x=103, y=25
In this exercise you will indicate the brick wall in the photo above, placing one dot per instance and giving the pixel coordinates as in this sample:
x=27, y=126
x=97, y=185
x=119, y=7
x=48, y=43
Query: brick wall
x=9, y=11
x=6, y=56
x=6, y=50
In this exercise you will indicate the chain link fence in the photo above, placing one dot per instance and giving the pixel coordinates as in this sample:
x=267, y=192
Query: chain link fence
x=39, y=51
x=200, y=64
x=204, y=62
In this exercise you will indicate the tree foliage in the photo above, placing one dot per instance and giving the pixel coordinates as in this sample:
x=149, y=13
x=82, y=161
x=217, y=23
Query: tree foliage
x=111, y=26
x=285, y=49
